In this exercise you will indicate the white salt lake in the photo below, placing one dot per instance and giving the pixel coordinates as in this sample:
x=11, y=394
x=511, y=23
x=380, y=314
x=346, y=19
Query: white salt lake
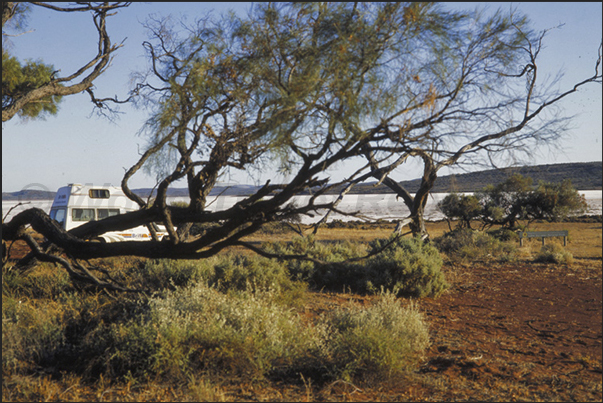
x=369, y=206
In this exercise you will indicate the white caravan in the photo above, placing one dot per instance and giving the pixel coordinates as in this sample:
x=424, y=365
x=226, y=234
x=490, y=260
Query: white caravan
x=76, y=204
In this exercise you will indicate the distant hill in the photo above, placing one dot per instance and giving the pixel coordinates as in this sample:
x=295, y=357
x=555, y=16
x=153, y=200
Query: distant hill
x=584, y=176
x=28, y=195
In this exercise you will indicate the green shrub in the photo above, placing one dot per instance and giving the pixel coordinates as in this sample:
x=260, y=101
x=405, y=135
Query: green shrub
x=32, y=335
x=464, y=208
x=241, y=333
x=304, y=270
x=225, y=272
x=377, y=342
x=168, y=273
x=408, y=267
x=504, y=234
x=554, y=253
x=227, y=315
x=45, y=280
x=123, y=349
x=467, y=244
x=236, y=272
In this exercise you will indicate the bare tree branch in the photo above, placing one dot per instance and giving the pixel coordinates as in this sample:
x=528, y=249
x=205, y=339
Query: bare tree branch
x=86, y=75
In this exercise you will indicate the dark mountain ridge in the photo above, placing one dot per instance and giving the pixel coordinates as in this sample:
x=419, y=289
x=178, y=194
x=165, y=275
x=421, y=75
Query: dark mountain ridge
x=584, y=176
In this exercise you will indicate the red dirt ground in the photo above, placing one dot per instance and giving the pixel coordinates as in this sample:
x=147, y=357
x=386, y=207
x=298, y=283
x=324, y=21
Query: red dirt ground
x=538, y=325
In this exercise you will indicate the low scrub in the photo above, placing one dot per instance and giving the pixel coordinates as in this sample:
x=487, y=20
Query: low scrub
x=469, y=245
x=379, y=342
x=199, y=330
x=240, y=333
x=224, y=272
x=32, y=334
x=44, y=281
x=406, y=266
x=228, y=315
x=235, y=326
x=554, y=253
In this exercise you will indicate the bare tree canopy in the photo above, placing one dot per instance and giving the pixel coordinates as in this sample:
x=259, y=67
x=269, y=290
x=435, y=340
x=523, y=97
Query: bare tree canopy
x=35, y=88
x=475, y=98
x=311, y=86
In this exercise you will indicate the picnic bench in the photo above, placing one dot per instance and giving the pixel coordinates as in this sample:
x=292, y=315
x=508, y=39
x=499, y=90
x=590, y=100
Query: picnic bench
x=543, y=234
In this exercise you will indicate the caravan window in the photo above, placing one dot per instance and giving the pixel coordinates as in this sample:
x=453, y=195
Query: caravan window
x=82, y=214
x=58, y=214
x=98, y=193
x=106, y=212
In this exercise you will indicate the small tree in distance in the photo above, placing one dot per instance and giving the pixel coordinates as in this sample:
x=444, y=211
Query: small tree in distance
x=507, y=202
x=464, y=208
x=512, y=201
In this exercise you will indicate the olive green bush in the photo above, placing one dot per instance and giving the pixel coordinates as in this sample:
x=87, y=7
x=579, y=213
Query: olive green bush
x=168, y=273
x=228, y=315
x=468, y=245
x=31, y=334
x=44, y=281
x=304, y=270
x=515, y=200
x=240, y=333
x=378, y=342
x=407, y=267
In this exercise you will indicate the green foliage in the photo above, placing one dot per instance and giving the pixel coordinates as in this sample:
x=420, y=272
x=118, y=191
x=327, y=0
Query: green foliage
x=32, y=333
x=378, y=342
x=169, y=273
x=225, y=315
x=469, y=245
x=287, y=74
x=242, y=333
x=410, y=267
x=507, y=202
x=44, y=281
x=464, y=208
x=407, y=267
x=305, y=270
x=235, y=272
x=18, y=80
x=504, y=234
x=122, y=349
x=556, y=201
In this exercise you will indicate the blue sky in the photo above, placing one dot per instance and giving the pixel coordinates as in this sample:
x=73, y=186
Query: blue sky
x=77, y=146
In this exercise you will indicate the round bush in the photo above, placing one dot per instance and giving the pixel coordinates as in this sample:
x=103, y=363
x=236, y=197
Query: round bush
x=554, y=253
x=383, y=340
x=467, y=244
x=407, y=267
